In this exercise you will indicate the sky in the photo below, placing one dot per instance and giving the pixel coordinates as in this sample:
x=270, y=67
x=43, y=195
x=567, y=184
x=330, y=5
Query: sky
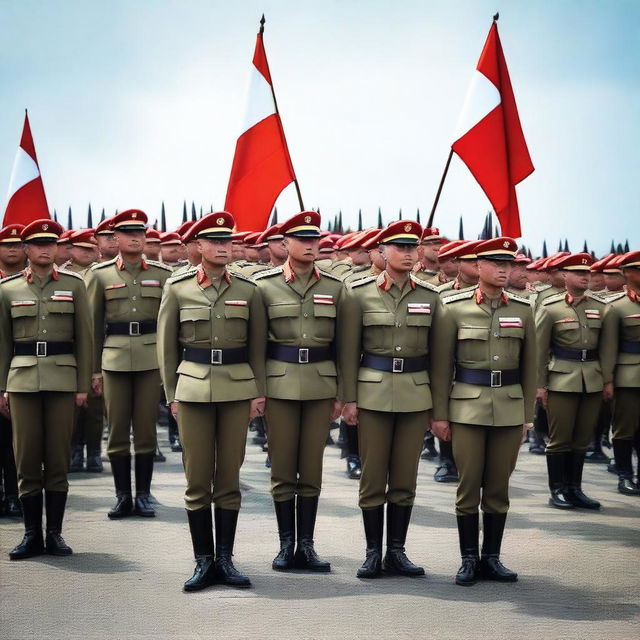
x=135, y=103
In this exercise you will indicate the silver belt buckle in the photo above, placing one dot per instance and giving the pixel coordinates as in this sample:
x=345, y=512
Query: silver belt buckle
x=41, y=349
x=134, y=328
x=583, y=354
x=496, y=379
x=398, y=365
x=216, y=356
x=303, y=356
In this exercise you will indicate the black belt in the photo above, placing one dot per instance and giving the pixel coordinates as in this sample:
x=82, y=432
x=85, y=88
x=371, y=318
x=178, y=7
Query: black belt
x=394, y=365
x=131, y=328
x=486, y=378
x=301, y=355
x=42, y=349
x=581, y=355
x=215, y=356
x=629, y=347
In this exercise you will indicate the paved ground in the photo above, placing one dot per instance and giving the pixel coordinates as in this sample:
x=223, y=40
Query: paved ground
x=579, y=571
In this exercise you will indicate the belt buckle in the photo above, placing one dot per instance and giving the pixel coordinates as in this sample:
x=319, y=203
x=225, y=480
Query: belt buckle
x=216, y=356
x=496, y=379
x=303, y=356
x=41, y=349
x=134, y=328
x=583, y=355
x=398, y=365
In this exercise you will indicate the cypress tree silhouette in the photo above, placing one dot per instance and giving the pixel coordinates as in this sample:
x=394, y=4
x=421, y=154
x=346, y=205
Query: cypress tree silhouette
x=460, y=230
x=340, y=228
x=626, y=246
x=418, y=215
x=69, y=220
x=613, y=248
x=400, y=214
x=89, y=218
x=545, y=253
x=163, y=218
x=103, y=215
x=566, y=245
x=194, y=217
x=380, y=225
x=55, y=215
x=184, y=211
x=359, y=219
x=585, y=248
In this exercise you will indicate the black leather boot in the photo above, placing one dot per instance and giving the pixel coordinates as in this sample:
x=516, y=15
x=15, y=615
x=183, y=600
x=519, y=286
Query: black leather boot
x=622, y=450
x=469, y=571
x=174, y=435
x=490, y=566
x=121, y=469
x=305, y=556
x=429, y=451
x=354, y=469
x=286, y=517
x=447, y=470
x=536, y=443
x=575, y=494
x=77, y=459
x=395, y=560
x=373, y=520
x=201, y=529
x=94, y=460
x=144, y=472
x=556, y=467
x=226, y=521
x=55, y=502
x=12, y=508
x=32, y=543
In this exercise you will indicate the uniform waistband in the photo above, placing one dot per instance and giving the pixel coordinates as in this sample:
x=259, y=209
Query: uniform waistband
x=629, y=347
x=131, y=328
x=215, y=356
x=487, y=378
x=42, y=349
x=394, y=365
x=300, y=355
x=580, y=355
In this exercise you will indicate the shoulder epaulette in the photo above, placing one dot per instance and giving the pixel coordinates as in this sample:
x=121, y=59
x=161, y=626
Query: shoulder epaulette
x=424, y=284
x=596, y=296
x=361, y=281
x=155, y=263
x=326, y=274
x=70, y=273
x=516, y=298
x=102, y=265
x=465, y=294
x=543, y=287
x=241, y=276
x=556, y=297
x=616, y=295
x=447, y=286
x=267, y=273
x=10, y=278
x=182, y=276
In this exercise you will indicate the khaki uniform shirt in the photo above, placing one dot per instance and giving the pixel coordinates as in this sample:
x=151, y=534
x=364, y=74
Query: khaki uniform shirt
x=50, y=309
x=378, y=318
x=224, y=314
x=476, y=332
x=301, y=313
x=119, y=292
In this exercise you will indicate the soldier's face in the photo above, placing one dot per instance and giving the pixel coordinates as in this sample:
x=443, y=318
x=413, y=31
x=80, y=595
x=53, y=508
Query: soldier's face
x=239, y=252
x=11, y=253
x=468, y=270
x=131, y=242
x=107, y=246
x=193, y=253
x=518, y=277
x=430, y=251
x=596, y=282
x=359, y=257
x=63, y=253
x=41, y=254
x=450, y=268
x=84, y=256
x=632, y=277
x=494, y=272
x=215, y=252
x=278, y=250
x=152, y=250
x=613, y=281
x=577, y=280
x=400, y=257
x=377, y=258
x=170, y=252
x=302, y=249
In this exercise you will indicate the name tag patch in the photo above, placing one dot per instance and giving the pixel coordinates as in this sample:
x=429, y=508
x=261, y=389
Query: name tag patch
x=118, y=285
x=510, y=322
x=593, y=314
x=633, y=315
x=149, y=283
x=23, y=303
x=60, y=297
x=322, y=299
x=419, y=307
x=563, y=320
x=236, y=303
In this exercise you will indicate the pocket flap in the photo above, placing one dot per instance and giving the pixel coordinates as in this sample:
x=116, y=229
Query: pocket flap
x=566, y=326
x=421, y=377
x=515, y=392
x=378, y=318
x=151, y=292
x=327, y=368
x=57, y=306
x=594, y=323
x=194, y=313
x=236, y=312
x=463, y=391
x=116, y=294
x=473, y=333
x=369, y=375
x=512, y=332
x=276, y=368
x=241, y=371
x=193, y=369
x=65, y=360
x=21, y=362
x=24, y=311
x=561, y=366
x=631, y=322
x=418, y=320
x=324, y=310
x=283, y=310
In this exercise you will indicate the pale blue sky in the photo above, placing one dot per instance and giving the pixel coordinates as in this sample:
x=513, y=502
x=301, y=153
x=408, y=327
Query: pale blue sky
x=135, y=102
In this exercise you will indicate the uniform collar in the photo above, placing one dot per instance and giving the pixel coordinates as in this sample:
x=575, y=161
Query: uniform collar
x=203, y=279
x=633, y=296
x=289, y=273
x=481, y=297
x=28, y=274
x=573, y=302
x=385, y=281
x=121, y=264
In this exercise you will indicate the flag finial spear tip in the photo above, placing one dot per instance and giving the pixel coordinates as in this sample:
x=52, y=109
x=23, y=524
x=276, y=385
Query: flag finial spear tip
x=262, y=21
x=496, y=16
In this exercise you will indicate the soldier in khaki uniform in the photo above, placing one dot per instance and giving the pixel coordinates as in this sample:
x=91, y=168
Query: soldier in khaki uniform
x=427, y=267
x=171, y=249
x=621, y=366
x=463, y=255
x=556, y=278
x=152, y=241
x=301, y=303
x=125, y=297
x=63, y=252
x=107, y=245
x=487, y=336
x=211, y=349
x=45, y=369
x=518, y=278
x=12, y=261
x=385, y=331
x=570, y=378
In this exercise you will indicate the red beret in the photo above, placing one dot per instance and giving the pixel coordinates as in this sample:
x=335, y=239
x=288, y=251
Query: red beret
x=168, y=238
x=184, y=227
x=214, y=225
x=305, y=224
x=431, y=234
x=521, y=258
x=326, y=245
x=11, y=233
x=502, y=248
x=629, y=260
x=401, y=232
x=575, y=262
x=271, y=233
x=42, y=231
x=599, y=265
x=65, y=237
x=105, y=228
x=460, y=249
x=84, y=238
x=251, y=239
x=153, y=235
x=129, y=220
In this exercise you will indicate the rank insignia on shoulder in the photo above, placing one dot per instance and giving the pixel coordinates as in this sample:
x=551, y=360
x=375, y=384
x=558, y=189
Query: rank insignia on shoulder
x=556, y=297
x=267, y=273
x=465, y=294
x=516, y=298
x=326, y=274
x=361, y=281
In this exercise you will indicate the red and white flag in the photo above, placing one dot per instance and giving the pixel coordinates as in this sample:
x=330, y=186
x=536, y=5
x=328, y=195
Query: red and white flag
x=261, y=165
x=489, y=138
x=26, y=200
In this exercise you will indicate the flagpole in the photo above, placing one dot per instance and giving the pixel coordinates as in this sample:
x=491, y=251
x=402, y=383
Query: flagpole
x=275, y=103
x=435, y=202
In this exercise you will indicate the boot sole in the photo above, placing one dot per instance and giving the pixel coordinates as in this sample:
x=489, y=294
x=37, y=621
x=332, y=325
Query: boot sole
x=563, y=507
x=369, y=576
x=114, y=516
x=469, y=583
x=313, y=569
x=394, y=572
x=629, y=493
x=144, y=515
x=59, y=553
x=494, y=579
x=35, y=554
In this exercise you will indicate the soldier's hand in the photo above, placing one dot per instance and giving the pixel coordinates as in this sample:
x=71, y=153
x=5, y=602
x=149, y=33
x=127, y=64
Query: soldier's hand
x=4, y=405
x=256, y=408
x=542, y=395
x=173, y=407
x=350, y=413
x=441, y=429
x=337, y=410
x=96, y=385
x=81, y=399
x=607, y=392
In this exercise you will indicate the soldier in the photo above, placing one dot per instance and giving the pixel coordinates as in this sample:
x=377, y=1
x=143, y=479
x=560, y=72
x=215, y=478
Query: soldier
x=518, y=278
x=621, y=369
x=12, y=261
x=302, y=387
x=152, y=242
x=45, y=370
x=63, y=253
x=385, y=330
x=170, y=249
x=556, y=278
x=107, y=245
x=326, y=251
x=274, y=239
x=125, y=297
x=488, y=337
x=341, y=265
x=211, y=349
x=570, y=379
x=427, y=267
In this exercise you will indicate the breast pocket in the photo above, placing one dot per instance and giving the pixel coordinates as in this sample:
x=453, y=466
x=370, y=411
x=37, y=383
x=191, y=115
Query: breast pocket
x=25, y=321
x=117, y=302
x=283, y=320
x=631, y=328
x=378, y=330
x=324, y=324
x=418, y=327
x=473, y=344
x=195, y=325
x=151, y=299
x=235, y=323
x=595, y=326
x=511, y=341
x=566, y=333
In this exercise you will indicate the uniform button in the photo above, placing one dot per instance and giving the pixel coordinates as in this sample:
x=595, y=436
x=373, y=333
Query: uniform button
x=44, y=317
x=398, y=348
x=133, y=297
x=218, y=316
x=496, y=357
x=304, y=335
x=44, y=331
x=133, y=309
x=135, y=282
x=496, y=335
x=305, y=315
x=398, y=324
x=215, y=338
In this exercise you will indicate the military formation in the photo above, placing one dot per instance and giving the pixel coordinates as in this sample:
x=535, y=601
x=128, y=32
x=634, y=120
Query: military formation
x=400, y=337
